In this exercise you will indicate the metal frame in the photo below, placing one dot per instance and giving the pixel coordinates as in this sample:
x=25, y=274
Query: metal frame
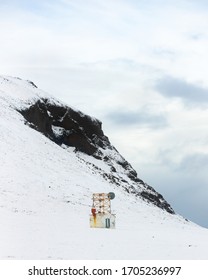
x=101, y=202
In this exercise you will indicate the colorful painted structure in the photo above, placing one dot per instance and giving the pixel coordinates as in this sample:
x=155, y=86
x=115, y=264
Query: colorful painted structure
x=101, y=216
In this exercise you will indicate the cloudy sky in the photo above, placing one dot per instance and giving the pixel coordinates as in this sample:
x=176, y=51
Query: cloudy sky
x=141, y=67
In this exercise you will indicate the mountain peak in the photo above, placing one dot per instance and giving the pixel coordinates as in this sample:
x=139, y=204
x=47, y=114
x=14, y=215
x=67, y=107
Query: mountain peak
x=68, y=127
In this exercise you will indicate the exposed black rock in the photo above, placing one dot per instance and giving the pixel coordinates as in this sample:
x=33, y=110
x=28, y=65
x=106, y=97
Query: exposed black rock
x=66, y=126
x=157, y=199
x=30, y=82
x=63, y=125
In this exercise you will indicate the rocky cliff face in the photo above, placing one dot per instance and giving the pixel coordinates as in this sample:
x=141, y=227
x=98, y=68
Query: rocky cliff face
x=64, y=125
x=71, y=128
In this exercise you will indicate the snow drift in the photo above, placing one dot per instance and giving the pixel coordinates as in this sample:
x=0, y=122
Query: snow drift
x=53, y=157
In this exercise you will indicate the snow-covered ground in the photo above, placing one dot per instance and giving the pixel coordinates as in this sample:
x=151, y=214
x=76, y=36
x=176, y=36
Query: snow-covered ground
x=45, y=200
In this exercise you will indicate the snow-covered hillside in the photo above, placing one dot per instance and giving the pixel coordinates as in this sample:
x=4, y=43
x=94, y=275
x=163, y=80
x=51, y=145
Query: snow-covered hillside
x=46, y=186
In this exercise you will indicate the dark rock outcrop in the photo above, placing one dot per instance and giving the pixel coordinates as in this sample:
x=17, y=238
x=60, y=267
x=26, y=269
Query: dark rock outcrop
x=157, y=199
x=63, y=125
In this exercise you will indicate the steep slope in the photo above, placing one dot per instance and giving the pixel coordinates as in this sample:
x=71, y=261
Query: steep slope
x=71, y=128
x=46, y=186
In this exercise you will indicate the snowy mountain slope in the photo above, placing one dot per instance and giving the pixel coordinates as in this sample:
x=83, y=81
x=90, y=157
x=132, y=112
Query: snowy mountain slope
x=68, y=127
x=46, y=189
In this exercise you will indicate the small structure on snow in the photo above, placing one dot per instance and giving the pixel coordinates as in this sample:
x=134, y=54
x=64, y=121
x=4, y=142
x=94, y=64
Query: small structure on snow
x=101, y=216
